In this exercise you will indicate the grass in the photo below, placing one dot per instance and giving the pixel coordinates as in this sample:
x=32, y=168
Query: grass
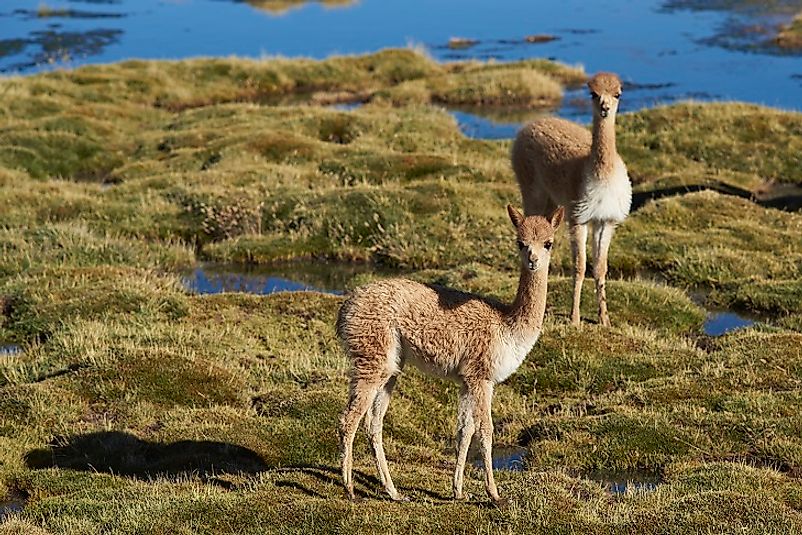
x=138, y=407
x=280, y=7
x=45, y=11
x=741, y=145
x=790, y=35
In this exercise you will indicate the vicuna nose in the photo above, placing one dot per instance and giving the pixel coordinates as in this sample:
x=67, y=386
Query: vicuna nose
x=605, y=109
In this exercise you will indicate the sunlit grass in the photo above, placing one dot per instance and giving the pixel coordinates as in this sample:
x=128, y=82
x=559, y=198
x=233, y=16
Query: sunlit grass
x=138, y=407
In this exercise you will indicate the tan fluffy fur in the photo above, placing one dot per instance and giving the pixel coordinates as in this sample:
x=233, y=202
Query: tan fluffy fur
x=473, y=340
x=558, y=162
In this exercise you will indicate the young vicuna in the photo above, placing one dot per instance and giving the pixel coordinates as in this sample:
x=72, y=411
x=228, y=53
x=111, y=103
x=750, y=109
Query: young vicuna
x=559, y=163
x=476, y=341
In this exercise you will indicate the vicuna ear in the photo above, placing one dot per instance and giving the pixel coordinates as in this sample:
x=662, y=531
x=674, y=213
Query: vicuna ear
x=556, y=217
x=516, y=217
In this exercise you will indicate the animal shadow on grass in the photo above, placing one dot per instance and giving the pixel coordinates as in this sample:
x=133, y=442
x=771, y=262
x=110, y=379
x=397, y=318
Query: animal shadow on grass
x=123, y=454
x=119, y=453
x=367, y=486
x=790, y=201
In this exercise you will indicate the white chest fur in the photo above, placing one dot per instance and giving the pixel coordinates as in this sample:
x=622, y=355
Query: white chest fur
x=510, y=353
x=608, y=199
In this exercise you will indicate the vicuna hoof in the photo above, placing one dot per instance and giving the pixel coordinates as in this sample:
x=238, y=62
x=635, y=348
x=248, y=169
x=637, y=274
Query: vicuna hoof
x=501, y=503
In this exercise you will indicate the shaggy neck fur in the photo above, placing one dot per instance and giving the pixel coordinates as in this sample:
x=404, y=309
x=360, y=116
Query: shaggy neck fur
x=603, y=152
x=526, y=312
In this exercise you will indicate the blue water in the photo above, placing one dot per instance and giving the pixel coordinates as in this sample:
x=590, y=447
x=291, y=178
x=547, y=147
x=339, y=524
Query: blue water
x=665, y=53
x=623, y=481
x=722, y=322
x=224, y=279
x=203, y=282
x=479, y=127
x=308, y=275
x=10, y=350
x=513, y=458
x=504, y=458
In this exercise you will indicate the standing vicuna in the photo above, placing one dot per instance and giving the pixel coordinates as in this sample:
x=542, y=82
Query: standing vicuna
x=559, y=163
x=476, y=341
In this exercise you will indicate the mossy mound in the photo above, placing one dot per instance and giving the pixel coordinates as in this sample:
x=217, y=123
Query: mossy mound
x=741, y=145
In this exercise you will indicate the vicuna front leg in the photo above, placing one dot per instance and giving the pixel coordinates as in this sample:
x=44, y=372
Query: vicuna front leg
x=466, y=428
x=483, y=393
x=602, y=235
x=579, y=238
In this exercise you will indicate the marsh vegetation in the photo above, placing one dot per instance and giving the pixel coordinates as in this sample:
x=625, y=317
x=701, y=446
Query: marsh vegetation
x=790, y=36
x=136, y=405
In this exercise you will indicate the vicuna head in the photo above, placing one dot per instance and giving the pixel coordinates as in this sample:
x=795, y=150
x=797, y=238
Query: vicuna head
x=605, y=90
x=535, y=237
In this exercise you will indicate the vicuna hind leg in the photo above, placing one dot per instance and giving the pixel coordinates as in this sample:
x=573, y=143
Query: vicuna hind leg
x=374, y=422
x=361, y=396
x=602, y=235
x=579, y=237
x=465, y=431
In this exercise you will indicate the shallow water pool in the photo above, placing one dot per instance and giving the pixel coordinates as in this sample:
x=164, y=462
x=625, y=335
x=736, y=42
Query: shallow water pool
x=327, y=277
x=719, y=323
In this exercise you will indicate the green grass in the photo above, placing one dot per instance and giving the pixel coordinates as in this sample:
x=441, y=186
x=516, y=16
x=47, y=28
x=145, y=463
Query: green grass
x=738, y=144
x=138, y=407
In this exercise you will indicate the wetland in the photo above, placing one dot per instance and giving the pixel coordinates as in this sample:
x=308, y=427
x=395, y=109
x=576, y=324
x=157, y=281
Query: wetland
x=158, y=376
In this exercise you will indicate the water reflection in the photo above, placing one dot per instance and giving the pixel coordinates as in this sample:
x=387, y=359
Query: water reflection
x=747, y=26
x=623, y=481
x=280, y=7
x=615, y=481
x=52, y=46
x=333, y=278
x=722, y=322
x=480, y=125
x=504, y=458
x=47, y=12
x=11, y=504
x=10, y=350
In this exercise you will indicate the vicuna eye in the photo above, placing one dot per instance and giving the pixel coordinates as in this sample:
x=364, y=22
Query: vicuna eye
x=617, y=95
x=548, y=245
x=594, y=95
x=521, y=244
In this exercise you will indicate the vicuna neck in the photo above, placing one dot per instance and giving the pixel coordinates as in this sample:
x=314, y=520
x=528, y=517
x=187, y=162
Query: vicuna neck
x=603, y=152
x=526, y=312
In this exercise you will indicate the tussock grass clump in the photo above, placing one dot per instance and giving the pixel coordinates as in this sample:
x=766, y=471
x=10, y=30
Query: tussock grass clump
x=86, y=124
x=739, y=144
x=403, y=227
x=749, y=255
x=522, y=88
x=58, y=154
x=37, y=303
x=74, y=245
x=790, y=35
